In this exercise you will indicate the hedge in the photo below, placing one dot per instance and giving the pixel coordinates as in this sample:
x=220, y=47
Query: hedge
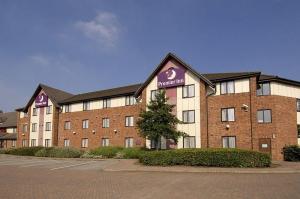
x=56, y=152
x=291, y=153
x=207, y=157
x=115, y=152
x=105, y=152
x=24, y=151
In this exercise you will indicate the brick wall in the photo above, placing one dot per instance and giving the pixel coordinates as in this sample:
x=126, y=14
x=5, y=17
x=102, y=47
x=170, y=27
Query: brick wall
x=20, y=134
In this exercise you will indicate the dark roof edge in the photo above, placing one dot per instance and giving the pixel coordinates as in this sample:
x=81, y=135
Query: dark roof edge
x=180, y=61
x=281, y=80
x=257, y=74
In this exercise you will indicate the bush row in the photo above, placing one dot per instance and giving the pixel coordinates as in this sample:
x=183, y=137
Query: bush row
x=115, y=152
x=207, y=157
x=291, y=153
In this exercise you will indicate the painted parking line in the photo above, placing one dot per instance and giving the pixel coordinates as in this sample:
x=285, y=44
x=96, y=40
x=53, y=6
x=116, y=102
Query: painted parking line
x=72, y=165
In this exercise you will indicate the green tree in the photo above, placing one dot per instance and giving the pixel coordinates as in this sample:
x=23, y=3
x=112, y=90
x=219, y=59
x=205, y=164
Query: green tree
x=158, y=121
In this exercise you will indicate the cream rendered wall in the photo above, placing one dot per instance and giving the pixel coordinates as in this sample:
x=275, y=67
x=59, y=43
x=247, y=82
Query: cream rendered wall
x=189, y=104
x=33, y=119
x=285, y=90
x=183, y=104
x=48, y=118
x=298, y=118
x=241, y=86
x=10, y=130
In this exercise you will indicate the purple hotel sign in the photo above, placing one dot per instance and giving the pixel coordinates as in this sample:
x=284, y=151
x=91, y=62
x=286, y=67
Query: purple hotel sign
x=171, y=77
x=41, y=100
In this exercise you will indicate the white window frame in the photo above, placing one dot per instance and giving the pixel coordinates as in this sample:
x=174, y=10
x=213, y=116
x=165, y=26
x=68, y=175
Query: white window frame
x=187, y=142
x=129, y=142
x=48, y=126
x=33, y=142
x=227, y=111
x=225, y=89
x=14, y=143
x=34, y=127
x=188, y=91
x=47, y=142
x=24, y=143
x=261, y=91
x=263, y=116
x=49, y=109
x=86, y=106
x=298, y=105
x=129, y=121
x=105, y=122
x=186, y=117
x=34, y=111
x=104, y=142
x=107, y=103
x=68, y=108
x=85, y=124
x=67, y=125
x=130, y=100
x=66, y=142
x=227, y=142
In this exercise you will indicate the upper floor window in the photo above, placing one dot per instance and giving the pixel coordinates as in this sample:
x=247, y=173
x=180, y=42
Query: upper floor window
x=264, y=89
x=227, y=115
x=105, y=123
x=86, y=106
x=227, y=87
x=48, y=126
x=106, y=103
x=24, y=128
x=129, y=100
x=264, y=116
x=153, y=94
x=67, y=108
x=188, y=116
x=85, y=124
x=49, y=109
x=129, y=121
x=188, y=91
x=229, y=141
x=34, y=112
x=34, y=127
x=67, y=125
x=298, y=105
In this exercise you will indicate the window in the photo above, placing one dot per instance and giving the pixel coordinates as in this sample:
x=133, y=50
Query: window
x=264, y=116
x=129, y=100
x=13, y=144
x=153, y=144
x=24, y=128
x=264, y=89
x=298, y=105
x=47, y=143
x=188, y=91
x=68, y=108
x=34, y=112
x=105, y=142
x=228, y=115
x=66, y=142
x=48, y=126
x=85, y=124
x=67, y=125
x=34, y=127
x=33, y=142
x=24, y=143
x=298, y=127
x=106, y=103
x=153, y=94
x=49, y=109
x=228, y=142
x=129, y=121
x=227, y=87
x=105, y=122
x=128, y=142
x=86, y=106
x=188, y=116
x=14, y=130
x=189, y=142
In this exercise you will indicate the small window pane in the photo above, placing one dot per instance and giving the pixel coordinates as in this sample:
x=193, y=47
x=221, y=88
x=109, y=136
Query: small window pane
x=260, y=116
x=229, y=142
x=266, y=89
x=230, y=87
x=298, y=105
x=224, y=115
x=223, y=88
x=267, y=116
x=191, y=116
x=230, y=114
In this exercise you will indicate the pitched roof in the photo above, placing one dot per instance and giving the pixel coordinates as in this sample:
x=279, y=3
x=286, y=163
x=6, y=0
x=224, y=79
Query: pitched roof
x=267, y=78
x=168, y=57
x=102, y=94
x=9, y=136
x=8, y=119
x=54, y=94
x=216, y=77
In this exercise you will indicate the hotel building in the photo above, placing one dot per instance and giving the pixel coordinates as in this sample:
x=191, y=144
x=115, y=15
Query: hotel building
x=247, y=110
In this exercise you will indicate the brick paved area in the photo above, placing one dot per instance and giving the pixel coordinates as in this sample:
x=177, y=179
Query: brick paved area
x=50, y=178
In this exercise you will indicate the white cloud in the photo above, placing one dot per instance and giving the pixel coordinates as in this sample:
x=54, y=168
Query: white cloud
x=104, y=28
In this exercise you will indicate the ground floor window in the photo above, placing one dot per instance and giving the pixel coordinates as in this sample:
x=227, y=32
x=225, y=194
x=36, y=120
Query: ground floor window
x=105, y=142
x=66, y=142
x=229, y=141
x=128, y=142
x=24, y=143
x=154, y=144
x=47, y=142
x=33, y=142
x=13, y=144
x=84, y=143
x=189, y=142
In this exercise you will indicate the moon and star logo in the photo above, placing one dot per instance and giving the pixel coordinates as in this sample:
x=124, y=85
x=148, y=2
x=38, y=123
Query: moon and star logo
x=41, y=98
x=171, y=73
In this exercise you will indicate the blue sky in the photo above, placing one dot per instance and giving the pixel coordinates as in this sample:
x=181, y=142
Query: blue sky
x=82, y=46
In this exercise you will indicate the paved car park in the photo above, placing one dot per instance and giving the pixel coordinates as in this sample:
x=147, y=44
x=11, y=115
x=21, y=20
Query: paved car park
x=26, y=177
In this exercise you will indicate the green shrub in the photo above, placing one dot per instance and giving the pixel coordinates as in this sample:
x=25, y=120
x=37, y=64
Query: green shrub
x=57, y=152
x=105, y=152
x=291, y=153
x=24, y=151
x=3, y=151
x=132, y=153
x=207, y=157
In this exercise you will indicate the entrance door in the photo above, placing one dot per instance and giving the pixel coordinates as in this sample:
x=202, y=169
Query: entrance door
x=265, y=145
